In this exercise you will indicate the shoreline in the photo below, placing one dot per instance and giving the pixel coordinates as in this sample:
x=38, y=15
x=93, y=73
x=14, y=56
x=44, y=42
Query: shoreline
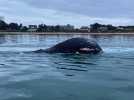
x=61, y=33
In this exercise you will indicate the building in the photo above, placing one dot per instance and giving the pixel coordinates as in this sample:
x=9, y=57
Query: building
x=32, y=28
x=103, y=29
x=67, y=27
x=120, y=28
x=125, y=28
x=84, y=29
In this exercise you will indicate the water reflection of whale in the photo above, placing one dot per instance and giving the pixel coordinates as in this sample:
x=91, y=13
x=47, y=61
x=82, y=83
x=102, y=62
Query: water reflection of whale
x=74, y=45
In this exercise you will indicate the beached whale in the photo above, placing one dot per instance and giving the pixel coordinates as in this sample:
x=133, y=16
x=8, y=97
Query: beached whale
x=74, y=45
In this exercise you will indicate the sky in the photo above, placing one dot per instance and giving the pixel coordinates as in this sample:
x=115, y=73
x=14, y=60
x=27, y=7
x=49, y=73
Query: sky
x=75, y=12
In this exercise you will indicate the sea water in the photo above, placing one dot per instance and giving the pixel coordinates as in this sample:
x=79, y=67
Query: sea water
x=33, y=76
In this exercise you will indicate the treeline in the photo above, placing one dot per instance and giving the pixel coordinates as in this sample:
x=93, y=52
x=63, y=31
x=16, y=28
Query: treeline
x=100, y=28
x=56, y=28
x=15, y=27
x=93, y=28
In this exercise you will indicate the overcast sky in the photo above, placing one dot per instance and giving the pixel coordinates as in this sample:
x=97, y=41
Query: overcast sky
x=76, y=12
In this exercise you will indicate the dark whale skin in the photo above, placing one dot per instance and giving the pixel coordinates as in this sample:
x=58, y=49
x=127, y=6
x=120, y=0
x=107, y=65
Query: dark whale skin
x=74, y=45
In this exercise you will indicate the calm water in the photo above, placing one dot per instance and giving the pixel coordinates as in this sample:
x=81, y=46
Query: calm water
x=30, y=76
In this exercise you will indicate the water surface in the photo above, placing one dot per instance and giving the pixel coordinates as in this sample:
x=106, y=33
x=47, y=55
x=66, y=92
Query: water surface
x=31, y=76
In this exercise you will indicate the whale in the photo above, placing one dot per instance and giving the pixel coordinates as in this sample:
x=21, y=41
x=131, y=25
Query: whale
x=74, y=45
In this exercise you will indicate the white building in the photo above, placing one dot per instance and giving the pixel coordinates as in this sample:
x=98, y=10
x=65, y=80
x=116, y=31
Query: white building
x=84, y=29
x=32, y=28
x=67, y=27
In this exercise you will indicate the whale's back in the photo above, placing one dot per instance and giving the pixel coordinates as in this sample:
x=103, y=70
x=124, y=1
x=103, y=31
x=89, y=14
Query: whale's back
x=73, y=45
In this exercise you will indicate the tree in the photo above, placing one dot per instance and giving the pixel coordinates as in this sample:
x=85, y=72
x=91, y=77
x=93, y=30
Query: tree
x=13, y=26
x=111, y=28
x=57, y=28
x=94, y=27
x=42, y=28
x=45, y=28
x=24, y=29
x=20, y=26
x=3, y=25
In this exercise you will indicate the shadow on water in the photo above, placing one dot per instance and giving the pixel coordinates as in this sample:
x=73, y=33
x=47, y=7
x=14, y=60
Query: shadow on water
x=73, y=62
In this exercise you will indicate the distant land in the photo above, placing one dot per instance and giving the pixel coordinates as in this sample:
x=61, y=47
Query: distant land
x=15, y=28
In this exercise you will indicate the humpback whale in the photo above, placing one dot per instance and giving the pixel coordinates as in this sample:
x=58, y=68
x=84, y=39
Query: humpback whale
x=74, y=45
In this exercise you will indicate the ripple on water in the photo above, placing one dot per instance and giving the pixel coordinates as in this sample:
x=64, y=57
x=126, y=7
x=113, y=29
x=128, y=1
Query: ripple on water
x=26, y=75
x=9, y=93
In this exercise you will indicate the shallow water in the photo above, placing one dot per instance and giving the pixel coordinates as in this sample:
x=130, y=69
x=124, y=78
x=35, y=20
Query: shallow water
x=31, y=76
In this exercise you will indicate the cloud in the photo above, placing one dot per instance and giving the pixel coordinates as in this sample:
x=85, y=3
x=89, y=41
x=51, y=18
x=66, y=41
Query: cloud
x=80, y=12
x=94, y=8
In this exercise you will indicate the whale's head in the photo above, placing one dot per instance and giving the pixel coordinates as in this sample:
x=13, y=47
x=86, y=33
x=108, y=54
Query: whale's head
x=89, y=46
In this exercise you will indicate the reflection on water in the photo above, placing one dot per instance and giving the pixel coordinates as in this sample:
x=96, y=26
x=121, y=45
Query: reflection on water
x=31, y=76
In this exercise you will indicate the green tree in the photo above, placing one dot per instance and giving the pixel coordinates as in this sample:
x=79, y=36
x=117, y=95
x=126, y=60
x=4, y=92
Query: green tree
x=3, y=25
x=95, y=27
x=40, y=28
x=13, y=26
x=57, y=28
x=111, y=28
x=24, y=29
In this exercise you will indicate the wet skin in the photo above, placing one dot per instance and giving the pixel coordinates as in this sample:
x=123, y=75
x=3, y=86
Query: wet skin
x=74, y=45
